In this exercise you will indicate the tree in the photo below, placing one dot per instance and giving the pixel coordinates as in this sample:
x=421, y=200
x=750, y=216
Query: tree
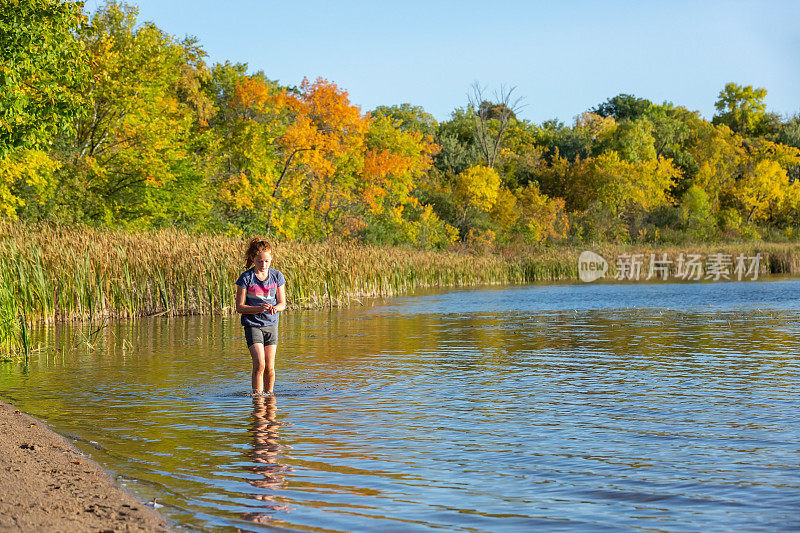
x=790, y=136
x=281, y=150
x=541, y=217
x=134, y=156
x=321, y=154
x=24, y=169
x=522, y=158
x=696, y=212
x=42, y=71
x=741, y=108
x=715, y=154
x=586, y=137
x=307, y=162
x=671, y=128
x=407, y=117
x=459, y=149
x=478, y=187
x=763, y=191
x=246, y=157
x=790, y=132
x=492, y=118
x=394, y=159
x=624, y=187
x=560, y=180
x=623, y=107
x=633, y=141
x=431, y=232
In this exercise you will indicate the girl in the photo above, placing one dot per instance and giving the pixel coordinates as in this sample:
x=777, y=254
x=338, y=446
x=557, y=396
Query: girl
x=260, y=296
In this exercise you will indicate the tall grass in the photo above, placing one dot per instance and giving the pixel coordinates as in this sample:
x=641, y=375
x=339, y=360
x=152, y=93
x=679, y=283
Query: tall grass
x=55, y=273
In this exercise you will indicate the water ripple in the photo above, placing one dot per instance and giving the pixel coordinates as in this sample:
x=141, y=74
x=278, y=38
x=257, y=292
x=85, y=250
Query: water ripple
x=572, y=407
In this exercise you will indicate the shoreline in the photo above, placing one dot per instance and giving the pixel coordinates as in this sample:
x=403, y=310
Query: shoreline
x=47, y=484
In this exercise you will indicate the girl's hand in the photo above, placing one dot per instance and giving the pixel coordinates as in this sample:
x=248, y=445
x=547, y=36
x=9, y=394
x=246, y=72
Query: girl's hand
x=267, y=308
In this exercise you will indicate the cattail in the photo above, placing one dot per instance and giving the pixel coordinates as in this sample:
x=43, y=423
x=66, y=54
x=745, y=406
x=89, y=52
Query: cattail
x=50, y=272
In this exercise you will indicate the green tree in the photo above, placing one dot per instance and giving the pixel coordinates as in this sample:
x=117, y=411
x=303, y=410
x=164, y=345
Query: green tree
x=742, y=109
x=623, y=107
x=42, y=71
x=407, y=117
x=522, y=159
x=580, y=141
x=456, y=137
x=672, y=128
x=136, y=155
x=633, y=141
x=789, y=135
x=790, y=132
x=696, y=213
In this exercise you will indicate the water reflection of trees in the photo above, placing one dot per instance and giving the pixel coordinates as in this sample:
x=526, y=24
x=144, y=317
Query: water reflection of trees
x=704, y=340
x=266, y=453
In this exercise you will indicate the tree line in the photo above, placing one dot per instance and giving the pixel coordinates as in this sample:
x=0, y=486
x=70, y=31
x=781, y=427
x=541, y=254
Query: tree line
x=110, y=122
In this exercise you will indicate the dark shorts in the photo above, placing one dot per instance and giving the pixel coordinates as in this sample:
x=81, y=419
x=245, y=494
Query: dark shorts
x=266, y=335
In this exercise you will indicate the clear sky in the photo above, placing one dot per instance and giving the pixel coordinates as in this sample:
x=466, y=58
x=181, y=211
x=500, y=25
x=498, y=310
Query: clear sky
x=562, y=57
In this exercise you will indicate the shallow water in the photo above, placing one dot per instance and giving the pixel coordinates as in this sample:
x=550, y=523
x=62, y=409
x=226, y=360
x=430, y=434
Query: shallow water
x=560, y=407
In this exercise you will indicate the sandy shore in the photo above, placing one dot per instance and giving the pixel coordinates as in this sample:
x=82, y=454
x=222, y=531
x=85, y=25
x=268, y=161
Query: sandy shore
x=46, y=484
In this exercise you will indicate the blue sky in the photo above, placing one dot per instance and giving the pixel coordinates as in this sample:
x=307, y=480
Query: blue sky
x=562, y=57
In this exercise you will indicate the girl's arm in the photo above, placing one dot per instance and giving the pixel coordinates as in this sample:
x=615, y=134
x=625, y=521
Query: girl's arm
x=281, y=299
x=248, y=309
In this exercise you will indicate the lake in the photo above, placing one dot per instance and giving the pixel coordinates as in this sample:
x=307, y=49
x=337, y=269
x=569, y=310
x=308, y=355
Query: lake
x=604, y=407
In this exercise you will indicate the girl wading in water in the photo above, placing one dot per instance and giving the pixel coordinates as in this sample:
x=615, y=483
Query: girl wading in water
x=260, y=296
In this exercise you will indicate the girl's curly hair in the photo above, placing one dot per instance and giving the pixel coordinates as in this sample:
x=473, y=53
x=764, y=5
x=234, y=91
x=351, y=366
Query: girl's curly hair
x=256, y=246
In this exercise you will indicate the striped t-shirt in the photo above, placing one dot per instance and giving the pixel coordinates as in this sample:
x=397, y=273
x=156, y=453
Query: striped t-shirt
x=258, y=292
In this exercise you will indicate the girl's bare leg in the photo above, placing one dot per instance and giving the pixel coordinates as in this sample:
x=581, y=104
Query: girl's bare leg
x=259, y=366
x=269, y=371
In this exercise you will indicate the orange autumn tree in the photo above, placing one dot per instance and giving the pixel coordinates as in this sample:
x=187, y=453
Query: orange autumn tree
x=394, y=160
x=323, y=156
x=307, y=163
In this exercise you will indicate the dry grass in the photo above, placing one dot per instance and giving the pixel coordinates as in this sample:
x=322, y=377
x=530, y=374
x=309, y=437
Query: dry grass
x=54, y=273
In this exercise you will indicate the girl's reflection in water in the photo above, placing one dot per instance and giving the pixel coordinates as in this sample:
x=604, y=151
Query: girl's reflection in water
x=266, y=451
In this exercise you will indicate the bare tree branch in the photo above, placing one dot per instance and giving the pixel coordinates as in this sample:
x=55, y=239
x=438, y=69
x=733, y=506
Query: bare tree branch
x=492, y=118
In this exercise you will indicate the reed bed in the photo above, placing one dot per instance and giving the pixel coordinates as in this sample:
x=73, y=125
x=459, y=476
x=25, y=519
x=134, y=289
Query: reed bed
x=55, y=273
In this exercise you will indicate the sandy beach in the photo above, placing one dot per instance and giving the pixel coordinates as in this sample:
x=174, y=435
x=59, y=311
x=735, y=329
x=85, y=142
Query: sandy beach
x=46, y=484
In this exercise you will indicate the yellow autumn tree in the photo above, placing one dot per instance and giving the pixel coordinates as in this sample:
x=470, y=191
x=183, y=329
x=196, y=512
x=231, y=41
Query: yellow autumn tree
x=431, y=232
x=763, y=190
x=718, y=154
x=505, y=212
x=625, y=186
x=249, y=159
x=478, y=187
x=541, y=217
x=23, y=168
